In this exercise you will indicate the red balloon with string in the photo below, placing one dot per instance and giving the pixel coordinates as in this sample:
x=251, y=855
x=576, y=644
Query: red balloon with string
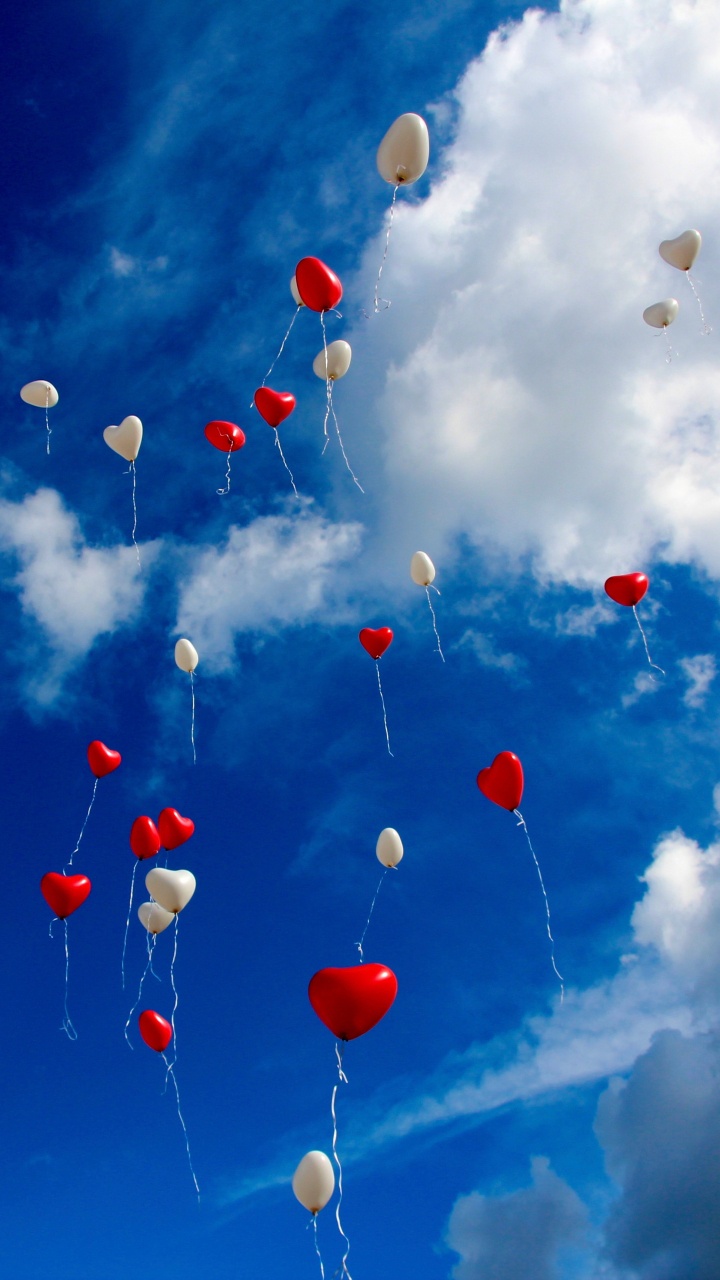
x=627, y=588
x=317, y=284
x=502, y=781
x=375, y=641
x=102, y=760
x=145, y=839
x=155, y=1030
x=173, y=830
x=274, y=406
x=64, y=894
x=352, y=1001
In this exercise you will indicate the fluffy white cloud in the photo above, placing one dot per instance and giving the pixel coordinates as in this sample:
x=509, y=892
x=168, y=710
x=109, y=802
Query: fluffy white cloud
x=525, y=402
x=700, y=672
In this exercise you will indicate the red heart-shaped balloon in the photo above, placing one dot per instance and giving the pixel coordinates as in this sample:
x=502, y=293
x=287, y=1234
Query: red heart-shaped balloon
x=173, y=829
x=351, y=1001
x=155, y=1030
x=502, y=781
x=627, y=588
x=144, y=838
x=225, y=436
x=274, y=406
x=318, y=286
x=102, y=759
x=64, y=894
x=375, y=642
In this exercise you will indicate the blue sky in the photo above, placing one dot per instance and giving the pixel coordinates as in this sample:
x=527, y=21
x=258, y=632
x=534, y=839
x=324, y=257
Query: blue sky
x=165, y=169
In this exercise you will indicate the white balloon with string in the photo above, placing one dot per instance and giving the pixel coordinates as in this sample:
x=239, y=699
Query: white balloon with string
x=313, y=1184
x=660, y=316
x=186, y=658
x=331, y=364
x=389, y=852
x=402, y=158
x=681, y=254
x=422, y=572
x=42, y=395
x=126, y=440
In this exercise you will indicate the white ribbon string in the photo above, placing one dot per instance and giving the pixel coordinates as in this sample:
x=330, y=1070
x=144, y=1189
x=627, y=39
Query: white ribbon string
x=298, y=309
x=647, y=651
x=434, y=620
x=378, y=299
x=523, y=824
x=220, y=492
x=359, y=944
x=48, y=428
x=282, y=455
x=342, y=1079
x=134, y=505
x=67, y=1025
x=317, y=1246
x=192, y=718
x=148, y=968
x=387, y=735
x=127, y=922
x=706, y=328
x=82, y=829
x=171, y=1072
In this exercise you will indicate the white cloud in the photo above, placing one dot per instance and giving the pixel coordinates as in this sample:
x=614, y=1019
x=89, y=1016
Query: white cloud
x=276, y=572
x=700, y=672
x=487, y=654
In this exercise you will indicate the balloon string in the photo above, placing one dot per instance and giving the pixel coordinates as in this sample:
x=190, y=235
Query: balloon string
x=171, y=1072
x=359, y=944
x=220, y=492
x=523, y=824
x=668, y=346
x=434, y=622
x=706, y=328
x=647, y=651
x=134, y=503
x=82, y=829
x=378, y=299
x=328, y=383
x=67, y=1025
x=387, y=735
x=192, y=717
x=317, y=1246
x=282, y=455
x=127, y=923
x=340, y=442
x=48, y=428
x=148, y=966
x=174, y=988
x=298, y=309
x=342, y=1079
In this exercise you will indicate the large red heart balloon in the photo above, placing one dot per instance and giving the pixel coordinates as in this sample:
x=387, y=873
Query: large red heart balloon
x=102, y=759
x=502, y=781
x=225, y=436
x=317, y=285
x=64, y=894
x=155, y=1030
x=627, y=588
x=144, y=838
x=375, y=642
x=173, y=829
x=274, y=406
x=351, y=1001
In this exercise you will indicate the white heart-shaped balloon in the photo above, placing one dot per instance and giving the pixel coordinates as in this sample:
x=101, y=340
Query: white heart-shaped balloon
x=422, y=569
x=661, y=314
x=682, y=251
x=125, y=439
x=153, y=917
x=389, y=847
x=186, y=655
x=339, y=355
x=40, y=393
x=172, y=889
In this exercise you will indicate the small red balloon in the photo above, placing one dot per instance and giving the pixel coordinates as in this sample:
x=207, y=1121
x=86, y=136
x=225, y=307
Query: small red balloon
x=627, y=588
x=502, y=781
x=318, y=286
x=102, y=759
x=64, y=894
x=173, y=829
x=274, y=406
x=155, y=1030
x=225, y=436
x=144, y=838
x=352, y=1001
x=375, y=642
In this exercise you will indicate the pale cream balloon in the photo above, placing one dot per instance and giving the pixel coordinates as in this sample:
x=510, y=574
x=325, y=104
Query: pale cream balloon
x=422, y=569
x=661, y=314
x=125, y=439
x=186, y=655
x=339, y=355
x=296, y=293
x=389, y=847
x=172, y=889
x=682, y=251
x=404, y=152
x=153, y=917
x=40, y=393
x=313, y=1181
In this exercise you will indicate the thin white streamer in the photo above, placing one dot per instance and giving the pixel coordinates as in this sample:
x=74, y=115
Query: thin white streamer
x=706, y=328
x=148, y=968
x=359, y=944
x=434, y=620
x=174, y=988
x=192, y=720
x=342, y=1079
x=317, y=1246
x=48, y=428
x=171, y=1072
x=134, y=503
x=220, y=492
x=282, y=347
x=127, y=922
x=282, y=455
x=67, y=1025
x=523, y=824
x=82, y=829
x=647, y=651
x=378, y=300
x=387, y=735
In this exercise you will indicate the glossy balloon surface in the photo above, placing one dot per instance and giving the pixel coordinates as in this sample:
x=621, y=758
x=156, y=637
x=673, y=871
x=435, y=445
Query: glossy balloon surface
x=627, y=588
x=153, y=917
x=144, y=838
x=682, y=251
x=389, y=848
x=502, y=781
x=352, y=1001
x=375, y=640
x=318, y=286
x=661, y=314
x=172, y=889
x=314, y=1181
x=102, y=759
x=155, y=1030
x=274, y=406
x=404, y=152
x=174, y=829
x=64, y=894
x=39, y=393
x=228, y=437
x=125, y=439
x=186, y=655
x=422, y=569
x=335, y=363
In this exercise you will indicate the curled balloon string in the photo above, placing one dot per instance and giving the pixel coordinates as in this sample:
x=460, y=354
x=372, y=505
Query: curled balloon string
x=298, y=309
x=359, y=944
x=378, y=299
x=134, y=504
x=192, y=716
x=67, y=1025
x=220, y=492
x=317, y=1246
x=647, y=651
x=174, y=988
x=387, y=735
x=171, y=1072
x=558, y=975
x=434, y=621
x=342, y=1079
x=148, y=966
x=328, y=383
x=48, y=428
x=82, y=829
x=706, y=328
x=282, y=455
x=127, y=923
x=668, y=345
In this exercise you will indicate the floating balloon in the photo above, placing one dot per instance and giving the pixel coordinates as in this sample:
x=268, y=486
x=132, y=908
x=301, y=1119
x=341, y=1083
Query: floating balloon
x=228, y=438
x=628, y=589
x=375, y=642
x=154, y=918
x=352, y=1001
x=155, y=1030
x=144, y=838
x=681, y=253
x=275, y=407
x=186, y=658
x=402, y=158
x=333, y=361
x=296, y=293
x=661, y=314
x=502, y=782
x=172, y=889
x=42, y=395
x=318, y=286
x=389, y=847
x=102, y=761
x=422, y=572
x=125, y=439
x=313, y=1181
x=173, y=829
x=64, y=894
